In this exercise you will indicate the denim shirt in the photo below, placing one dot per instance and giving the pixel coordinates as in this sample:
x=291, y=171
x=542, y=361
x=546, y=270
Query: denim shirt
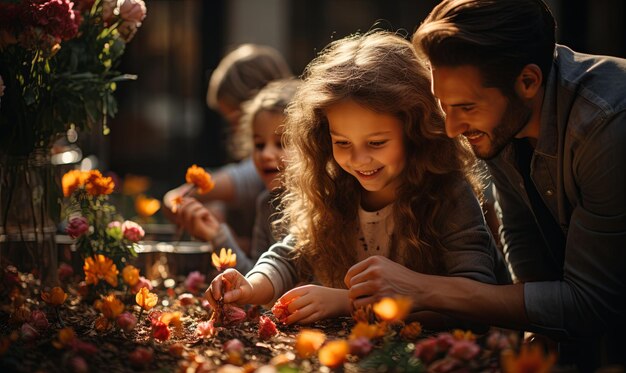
x=579, y=169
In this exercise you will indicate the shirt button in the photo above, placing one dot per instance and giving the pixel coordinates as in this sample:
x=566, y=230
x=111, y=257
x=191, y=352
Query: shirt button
x=549, y=192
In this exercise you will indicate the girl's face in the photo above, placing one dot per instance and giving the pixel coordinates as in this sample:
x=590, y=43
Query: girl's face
x=369, y=146
x=268, y=152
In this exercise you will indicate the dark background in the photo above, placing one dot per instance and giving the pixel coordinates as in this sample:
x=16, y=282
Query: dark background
x=163, y=125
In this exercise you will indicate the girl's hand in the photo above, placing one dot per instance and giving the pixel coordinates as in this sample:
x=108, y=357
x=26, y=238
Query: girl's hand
x=196, y=219
x=377, y=277
x=230, y=286
x=311, y=303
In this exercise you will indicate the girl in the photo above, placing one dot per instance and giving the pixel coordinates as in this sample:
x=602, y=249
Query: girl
x=370, y=173
x=264, y=115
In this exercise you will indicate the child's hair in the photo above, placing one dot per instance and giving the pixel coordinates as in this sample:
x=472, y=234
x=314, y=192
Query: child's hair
x=239, y=77
x=380, y=71
x=243, y=72
x=274, y=97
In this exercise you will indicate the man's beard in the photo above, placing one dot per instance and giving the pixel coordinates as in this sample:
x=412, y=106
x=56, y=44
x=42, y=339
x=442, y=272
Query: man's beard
x=515, y=118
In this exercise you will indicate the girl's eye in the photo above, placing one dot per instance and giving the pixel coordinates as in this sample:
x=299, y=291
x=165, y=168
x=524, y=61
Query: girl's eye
x=341, y=143
x=378, y=143
x=467, y=108
x=259, y=146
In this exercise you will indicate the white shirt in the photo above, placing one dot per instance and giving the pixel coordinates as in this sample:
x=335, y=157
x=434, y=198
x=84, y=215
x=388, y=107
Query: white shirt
x=375, y=230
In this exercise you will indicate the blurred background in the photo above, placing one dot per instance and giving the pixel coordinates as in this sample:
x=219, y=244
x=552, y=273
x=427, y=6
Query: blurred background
x=164, y=125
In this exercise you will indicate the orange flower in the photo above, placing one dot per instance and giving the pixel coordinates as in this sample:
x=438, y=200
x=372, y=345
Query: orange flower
x=111, y=307
x=130, y=274
x=99, y=267
x=463, y=335
x=145, y=299
x=102, y=324
x=333, y=353
x=200, y=178
x=55, y=297
x=96, y=184
x=171, y=318
x=226, y=259
x=411, y=331
x=66, y=338
x=308, y=342
x=145, y=206
x=135, y=184
x=71, y=181
x=176, y=202
x=369, y=331
x=529, y=359
x=393, y=309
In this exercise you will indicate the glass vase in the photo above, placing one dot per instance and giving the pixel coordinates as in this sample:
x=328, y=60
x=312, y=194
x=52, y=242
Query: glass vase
x=28, y=204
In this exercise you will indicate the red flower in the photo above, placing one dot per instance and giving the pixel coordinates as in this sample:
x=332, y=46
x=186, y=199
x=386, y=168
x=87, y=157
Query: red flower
x=267, y=328
x=281, y=310
x=160, y=331
x=232, y=314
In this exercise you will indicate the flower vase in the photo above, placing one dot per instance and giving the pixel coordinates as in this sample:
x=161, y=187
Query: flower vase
x=27, y=205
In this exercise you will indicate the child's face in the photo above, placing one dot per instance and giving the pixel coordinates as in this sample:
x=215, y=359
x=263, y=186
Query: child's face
x=369, y=146
x=268, y=152
x=230, y=113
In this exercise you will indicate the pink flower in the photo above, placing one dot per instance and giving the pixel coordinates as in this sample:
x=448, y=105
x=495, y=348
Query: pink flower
x=267, y=328
x=65, y=271
x=426, y=350
x=140, y=357
x=126, y=321
x=360, y=346
x=464, y=350
x=84, y=348
x=206, y=329
x=234, y=345
x=57, y=18
x=133, y=11
x=29, y=334
x=39, y=320
x=194, y=280
x=186, y=299
x=233, y=314
x=132, y=231
x=77, y=226
x=142, y=283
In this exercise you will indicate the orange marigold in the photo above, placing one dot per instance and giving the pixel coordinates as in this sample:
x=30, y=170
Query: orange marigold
x=111, y=307
x=200, y=178
x=65, y=339
x=308, y=342
x=145, y=206
x=369, y=331
x=411, y=331
x=226, y=259
x=71, y=181
x=55, y=297
x=393, y=309
x=99, y=267
x=529, y=359
x=130, y=274
x=334, y=353
x=96, y=184
x=145, y=299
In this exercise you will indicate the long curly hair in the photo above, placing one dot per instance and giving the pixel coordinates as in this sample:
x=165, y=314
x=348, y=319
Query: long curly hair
x=378, y=70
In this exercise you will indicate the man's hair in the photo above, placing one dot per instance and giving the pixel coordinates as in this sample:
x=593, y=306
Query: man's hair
x=499, y=37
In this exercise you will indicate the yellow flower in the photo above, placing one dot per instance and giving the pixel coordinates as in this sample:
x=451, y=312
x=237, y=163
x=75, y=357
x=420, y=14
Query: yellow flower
x=135, y=184
x=171, y=318
x=529, y=359
x=226, y=259
x=393, y=309
x=71, y=181
x=145, y=206
x=111, y=307
x=334, y=353
x=96, y=184
x=369, y=331
x=55, y=297
x=200, y=178
x=308, y=342
x=130, y=274
x=145, y=299
x=411, y=331
x=99, y=267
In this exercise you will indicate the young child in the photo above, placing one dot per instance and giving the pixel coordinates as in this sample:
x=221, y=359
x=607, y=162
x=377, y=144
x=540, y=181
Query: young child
x=264, y=114
x=239, y=76
x=370, y=172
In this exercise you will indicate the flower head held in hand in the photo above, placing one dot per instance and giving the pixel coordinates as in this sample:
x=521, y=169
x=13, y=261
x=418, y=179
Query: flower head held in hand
x=200, y=179
x=225, y=260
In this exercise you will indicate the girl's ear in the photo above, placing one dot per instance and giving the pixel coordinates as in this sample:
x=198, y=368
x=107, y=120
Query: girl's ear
x=528, y=82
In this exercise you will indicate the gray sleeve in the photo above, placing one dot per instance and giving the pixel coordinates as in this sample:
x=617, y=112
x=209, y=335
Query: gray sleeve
x=470, y=249
x=246, y=181
x=277, y=265
x=262, y=237
x=591, y=297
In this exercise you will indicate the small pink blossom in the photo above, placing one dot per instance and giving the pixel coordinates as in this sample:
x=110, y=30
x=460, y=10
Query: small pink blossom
x=133, y=11
x=186, y=299
x=77, y=226
x=142, y=283
x=141, y=357
x=132, y=231
x=29, y=334
x=39, y=320
x=114, y=229
x=426, y=350
x=234, y=345
x=233, y=314
x=126, y=321
x=360, y=346
x=194, y=281
x=206, y=329
x=84, y=348
x=464, y=350
x=65, y=271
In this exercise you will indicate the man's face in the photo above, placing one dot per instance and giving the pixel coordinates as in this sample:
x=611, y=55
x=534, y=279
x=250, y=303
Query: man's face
x=487, y=118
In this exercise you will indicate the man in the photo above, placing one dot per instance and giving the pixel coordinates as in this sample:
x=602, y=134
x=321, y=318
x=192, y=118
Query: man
x=551, y=124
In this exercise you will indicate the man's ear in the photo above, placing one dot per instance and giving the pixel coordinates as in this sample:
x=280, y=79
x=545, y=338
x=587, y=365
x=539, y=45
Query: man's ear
x=528, y=82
